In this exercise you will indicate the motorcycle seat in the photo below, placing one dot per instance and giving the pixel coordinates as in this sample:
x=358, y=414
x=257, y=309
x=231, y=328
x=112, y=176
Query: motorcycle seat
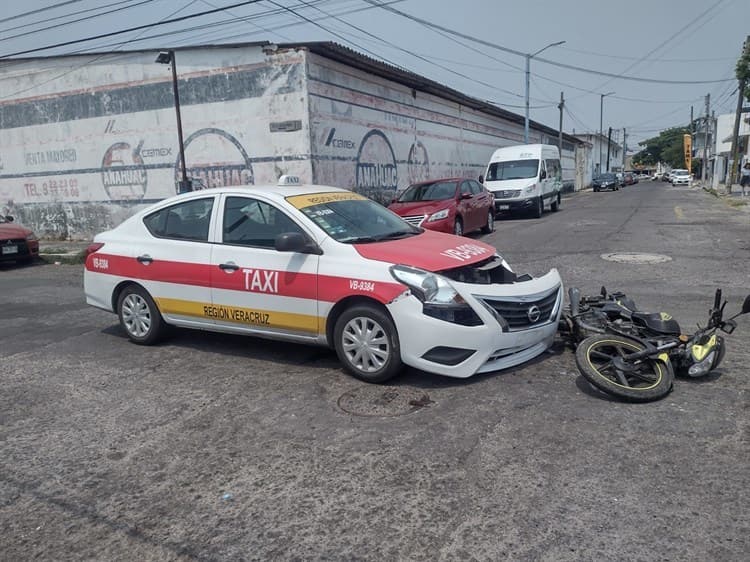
x=659, y=322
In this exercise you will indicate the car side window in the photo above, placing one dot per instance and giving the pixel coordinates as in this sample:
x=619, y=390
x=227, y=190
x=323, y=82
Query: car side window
x=250, y=222
x=466, y=188
x=189, y=220
x=476, y=187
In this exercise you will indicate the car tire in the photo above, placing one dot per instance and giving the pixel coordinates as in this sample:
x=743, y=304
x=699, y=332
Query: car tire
x=139, y=316
x=367, y=344
x=596, y=189
x=458, y=227
x=539, y=209
x=490, y=226
x=557, y=203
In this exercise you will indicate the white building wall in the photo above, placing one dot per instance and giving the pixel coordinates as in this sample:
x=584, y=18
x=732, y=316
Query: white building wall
x=85, y=141
x=77, y=160
x=377, y=136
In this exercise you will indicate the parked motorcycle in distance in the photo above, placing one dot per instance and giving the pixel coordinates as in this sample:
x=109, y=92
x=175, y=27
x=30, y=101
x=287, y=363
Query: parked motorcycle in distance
x=635, y=355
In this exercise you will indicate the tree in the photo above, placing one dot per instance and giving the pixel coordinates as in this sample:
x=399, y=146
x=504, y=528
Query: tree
x=666, y=147
x=742, y=70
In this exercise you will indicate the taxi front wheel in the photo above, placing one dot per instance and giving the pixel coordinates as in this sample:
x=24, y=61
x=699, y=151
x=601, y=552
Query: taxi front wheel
x=367, y=343
x=139, y=316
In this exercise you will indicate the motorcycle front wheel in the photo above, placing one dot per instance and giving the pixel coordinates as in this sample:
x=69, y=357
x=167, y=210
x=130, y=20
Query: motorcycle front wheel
x=602, y=360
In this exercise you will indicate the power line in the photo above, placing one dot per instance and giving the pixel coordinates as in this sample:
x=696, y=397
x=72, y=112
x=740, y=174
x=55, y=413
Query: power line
x=95, y=59
x=665, y=42
x=540, y=59
x=68, y=14
x=40, y=10
x=146, y=26
x=411, y=52
x=25, y=33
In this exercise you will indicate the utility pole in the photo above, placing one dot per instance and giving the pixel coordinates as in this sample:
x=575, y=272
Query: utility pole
x=609, y=143
x=736, y=134
x=624, y=147
x=560, y=106
x=704, y=167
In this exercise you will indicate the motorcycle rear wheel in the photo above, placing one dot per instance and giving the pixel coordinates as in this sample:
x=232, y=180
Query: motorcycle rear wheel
x=600, y=360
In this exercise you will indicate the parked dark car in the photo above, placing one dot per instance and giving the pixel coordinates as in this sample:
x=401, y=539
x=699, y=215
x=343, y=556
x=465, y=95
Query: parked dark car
x=606, y=181
x=17, y=243
x=456, y=205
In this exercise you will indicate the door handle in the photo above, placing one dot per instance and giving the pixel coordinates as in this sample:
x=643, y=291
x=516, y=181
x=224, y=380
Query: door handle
x=145, y=259
x=229, y=266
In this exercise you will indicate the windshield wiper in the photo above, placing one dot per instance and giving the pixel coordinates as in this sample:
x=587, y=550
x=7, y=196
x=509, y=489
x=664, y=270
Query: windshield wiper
x=396, y=234
x=359, y=240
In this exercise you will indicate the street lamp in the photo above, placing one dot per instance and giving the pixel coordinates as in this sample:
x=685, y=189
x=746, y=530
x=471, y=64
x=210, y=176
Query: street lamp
x=601, y=117
x=167, y=57
x=528, y=74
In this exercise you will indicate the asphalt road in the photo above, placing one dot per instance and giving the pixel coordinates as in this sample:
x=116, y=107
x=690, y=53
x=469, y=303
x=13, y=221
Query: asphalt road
x=213, y=447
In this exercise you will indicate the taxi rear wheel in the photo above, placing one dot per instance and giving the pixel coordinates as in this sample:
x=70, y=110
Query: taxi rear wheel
x=139, y=316
x=367, y=343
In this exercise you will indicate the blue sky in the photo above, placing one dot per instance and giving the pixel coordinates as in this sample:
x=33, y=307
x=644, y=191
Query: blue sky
x=668, y=40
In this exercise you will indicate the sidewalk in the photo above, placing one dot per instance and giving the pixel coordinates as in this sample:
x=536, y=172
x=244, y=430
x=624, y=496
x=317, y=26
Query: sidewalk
x=62, y=251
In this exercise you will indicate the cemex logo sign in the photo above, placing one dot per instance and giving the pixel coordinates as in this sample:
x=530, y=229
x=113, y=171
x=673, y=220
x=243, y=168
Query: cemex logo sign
x=334, y=142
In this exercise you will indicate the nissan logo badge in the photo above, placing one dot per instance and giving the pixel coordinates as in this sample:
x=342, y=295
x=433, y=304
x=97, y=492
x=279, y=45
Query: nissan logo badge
x=534, y=313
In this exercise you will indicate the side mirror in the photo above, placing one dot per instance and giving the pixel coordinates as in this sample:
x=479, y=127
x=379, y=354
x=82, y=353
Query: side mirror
x=746, y=305
x=465, y=196
x=295, y=242
x=542, y=175
x=8, y=218
x=480, y=179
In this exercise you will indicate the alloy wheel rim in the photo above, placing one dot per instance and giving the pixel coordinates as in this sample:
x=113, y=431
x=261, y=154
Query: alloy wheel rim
x=136, y=315
x=458, y=229
x=365, y=344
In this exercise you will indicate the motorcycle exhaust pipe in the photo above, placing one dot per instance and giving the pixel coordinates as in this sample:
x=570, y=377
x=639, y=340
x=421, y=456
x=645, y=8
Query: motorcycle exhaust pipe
x=574, y=296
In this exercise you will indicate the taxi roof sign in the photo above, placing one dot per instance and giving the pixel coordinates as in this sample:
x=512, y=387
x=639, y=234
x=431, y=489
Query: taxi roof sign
x=288, y=179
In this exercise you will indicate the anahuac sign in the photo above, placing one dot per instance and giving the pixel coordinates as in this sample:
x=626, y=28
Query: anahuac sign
x=232, y=167
x=123, y=172
x=376, y=172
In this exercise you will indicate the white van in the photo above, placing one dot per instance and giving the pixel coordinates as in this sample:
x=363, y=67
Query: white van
x=525, y=178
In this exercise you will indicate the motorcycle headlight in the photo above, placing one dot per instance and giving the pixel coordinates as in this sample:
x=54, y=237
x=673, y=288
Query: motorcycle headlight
x=439, y=215
x=701, y=368
x=439, y=298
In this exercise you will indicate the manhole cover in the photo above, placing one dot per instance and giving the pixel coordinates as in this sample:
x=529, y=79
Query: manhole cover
x=635, y=257
x=383, y=401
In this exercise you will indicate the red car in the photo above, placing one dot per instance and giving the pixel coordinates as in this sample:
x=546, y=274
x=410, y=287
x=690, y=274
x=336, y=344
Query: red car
x=17, y=243
x=454, y=205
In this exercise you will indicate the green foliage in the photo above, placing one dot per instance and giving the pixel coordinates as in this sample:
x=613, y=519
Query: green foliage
x=742, y=70
x=666, y=147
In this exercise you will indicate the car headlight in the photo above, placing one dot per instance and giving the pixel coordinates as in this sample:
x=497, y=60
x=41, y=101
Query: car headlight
x=439, y=215
x=439, y=298
x=529, y=188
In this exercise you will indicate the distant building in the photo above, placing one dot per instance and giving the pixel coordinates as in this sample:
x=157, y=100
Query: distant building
x=598, y=156
x=87, y=140
x=723, y=145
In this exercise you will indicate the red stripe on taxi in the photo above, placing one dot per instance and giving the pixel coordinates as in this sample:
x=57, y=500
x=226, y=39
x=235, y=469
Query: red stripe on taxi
x=245, y=279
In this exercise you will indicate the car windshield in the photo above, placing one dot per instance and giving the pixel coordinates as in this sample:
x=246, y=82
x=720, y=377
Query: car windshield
x=680, y=172
x=608, y=177
x=357, y=220
x=512, y=170
x=435, y=191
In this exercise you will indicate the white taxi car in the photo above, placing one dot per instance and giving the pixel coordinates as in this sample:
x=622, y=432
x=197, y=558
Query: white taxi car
x=322, y=265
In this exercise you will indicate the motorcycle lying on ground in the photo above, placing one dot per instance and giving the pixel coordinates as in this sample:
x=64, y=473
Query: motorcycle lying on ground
x=635, y=355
